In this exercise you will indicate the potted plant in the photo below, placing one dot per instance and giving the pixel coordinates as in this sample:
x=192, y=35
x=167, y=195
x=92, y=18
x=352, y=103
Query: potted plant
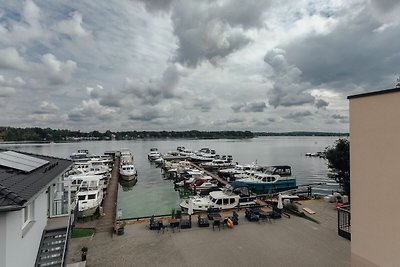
x=121, y=228
x=84, y=253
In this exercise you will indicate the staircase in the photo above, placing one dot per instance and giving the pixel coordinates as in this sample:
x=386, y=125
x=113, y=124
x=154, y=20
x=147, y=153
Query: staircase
x=52, y=248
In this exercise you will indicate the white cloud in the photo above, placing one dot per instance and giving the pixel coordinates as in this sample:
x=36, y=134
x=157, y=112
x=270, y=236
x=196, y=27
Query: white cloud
x=11, y=59
x=72, y=26
x=58, y=71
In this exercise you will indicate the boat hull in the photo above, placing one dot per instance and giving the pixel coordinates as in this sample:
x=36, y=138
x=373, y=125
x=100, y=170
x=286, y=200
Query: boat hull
x=272, y=187
x=87, y=212
x=128, y=177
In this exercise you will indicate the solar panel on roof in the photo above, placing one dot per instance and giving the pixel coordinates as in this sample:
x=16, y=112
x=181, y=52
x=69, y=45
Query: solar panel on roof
x=20, y=161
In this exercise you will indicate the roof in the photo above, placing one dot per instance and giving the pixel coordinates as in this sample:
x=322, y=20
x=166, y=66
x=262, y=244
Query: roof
x=18, y=187
x=381, y=92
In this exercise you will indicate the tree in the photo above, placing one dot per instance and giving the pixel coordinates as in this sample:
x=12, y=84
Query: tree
x=338, y=157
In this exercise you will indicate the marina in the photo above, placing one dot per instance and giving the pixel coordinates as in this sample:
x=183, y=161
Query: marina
x=154, y=195
x=204, y=199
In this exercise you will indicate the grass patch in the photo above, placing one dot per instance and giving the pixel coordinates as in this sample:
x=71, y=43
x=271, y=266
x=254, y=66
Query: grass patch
x=82, y=232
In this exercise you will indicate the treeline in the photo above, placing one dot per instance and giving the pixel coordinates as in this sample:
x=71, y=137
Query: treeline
x=8, y=134
x=300, y=133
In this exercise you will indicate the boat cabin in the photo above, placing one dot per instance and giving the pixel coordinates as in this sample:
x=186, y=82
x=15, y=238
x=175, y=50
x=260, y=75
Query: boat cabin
x=281, y=170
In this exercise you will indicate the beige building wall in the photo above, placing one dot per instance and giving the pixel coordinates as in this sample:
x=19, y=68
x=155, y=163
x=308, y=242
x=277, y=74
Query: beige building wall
x=375, y=179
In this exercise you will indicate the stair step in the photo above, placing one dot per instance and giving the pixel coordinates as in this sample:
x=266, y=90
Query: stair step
x=46, y=254
x=45, y=262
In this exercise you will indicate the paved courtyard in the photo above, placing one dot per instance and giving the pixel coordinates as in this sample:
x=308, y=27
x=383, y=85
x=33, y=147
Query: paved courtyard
x=284, y=242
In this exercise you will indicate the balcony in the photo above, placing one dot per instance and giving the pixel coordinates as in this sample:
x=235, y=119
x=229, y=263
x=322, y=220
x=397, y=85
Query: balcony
x=344, y=221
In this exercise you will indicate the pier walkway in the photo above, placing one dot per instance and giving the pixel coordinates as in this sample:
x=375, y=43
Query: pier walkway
x=106, y=221
x=214, y=176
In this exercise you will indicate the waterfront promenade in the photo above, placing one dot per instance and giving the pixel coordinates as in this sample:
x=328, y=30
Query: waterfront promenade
x=284, y=242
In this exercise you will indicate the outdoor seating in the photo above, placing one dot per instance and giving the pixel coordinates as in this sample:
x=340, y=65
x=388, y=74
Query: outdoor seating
x=174, y=223
x=251, y=215
x=212, y=213
x=217, y=223
x=161, y=226
x=178, y=214
x=202, y=222
x=186, y=223
x=276, y=213
x=154, y=224
x=235, y=218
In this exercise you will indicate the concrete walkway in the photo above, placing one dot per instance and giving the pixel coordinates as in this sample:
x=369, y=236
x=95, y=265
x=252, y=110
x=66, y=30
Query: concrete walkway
x=285, y=242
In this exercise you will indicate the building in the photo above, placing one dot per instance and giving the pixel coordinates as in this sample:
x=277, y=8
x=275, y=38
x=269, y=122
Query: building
x=375, y=180
x=34, y=217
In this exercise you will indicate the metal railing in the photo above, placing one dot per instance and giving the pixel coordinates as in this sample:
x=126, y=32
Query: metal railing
x=344, y=221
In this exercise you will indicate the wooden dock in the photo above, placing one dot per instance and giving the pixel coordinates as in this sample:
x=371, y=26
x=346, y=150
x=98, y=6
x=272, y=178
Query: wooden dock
x=107, y=220
x=214, y=176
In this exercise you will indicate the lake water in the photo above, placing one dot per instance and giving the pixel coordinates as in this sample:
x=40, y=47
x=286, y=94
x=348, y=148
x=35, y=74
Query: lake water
x=154, y=195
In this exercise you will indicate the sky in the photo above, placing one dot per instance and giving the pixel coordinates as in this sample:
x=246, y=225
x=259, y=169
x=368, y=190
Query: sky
x=193, y=65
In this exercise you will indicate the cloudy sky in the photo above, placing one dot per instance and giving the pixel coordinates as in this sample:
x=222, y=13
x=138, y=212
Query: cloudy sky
x=206, y=65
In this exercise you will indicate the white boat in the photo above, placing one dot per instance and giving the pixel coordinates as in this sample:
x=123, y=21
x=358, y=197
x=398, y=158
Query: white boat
x=205, y=185
x=75, y=181
x=238, y=169
x=203, y=155
x=128, y=172
x=81, y=154
x=217, y=163
x=90, y=196
x=153, y=154
x=228, y=198
x=91, y=166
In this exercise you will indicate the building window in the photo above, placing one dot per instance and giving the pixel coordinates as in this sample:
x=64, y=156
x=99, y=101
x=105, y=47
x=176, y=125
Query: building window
x=27, y=216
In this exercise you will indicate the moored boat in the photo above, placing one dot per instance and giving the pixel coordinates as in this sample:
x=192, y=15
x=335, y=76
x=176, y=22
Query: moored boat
x=153, y=154
x=90, y=196
x=127, y=170
x=274, y=179
x=232, y=196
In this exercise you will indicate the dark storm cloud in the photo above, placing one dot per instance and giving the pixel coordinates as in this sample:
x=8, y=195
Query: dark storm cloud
x=202, y=104
x=111, y=100
x=320, y=103
x=298, y=115
x=385, y=6
x=153, y=91
x=211, y=30
x=340, y=118
x=249, y=107
x=351, y=54
x=157, y=5
x=147, y=115
x=289, y=89
x=235, y=120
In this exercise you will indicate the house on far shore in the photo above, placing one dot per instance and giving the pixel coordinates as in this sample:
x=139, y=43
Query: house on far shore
x=34, y=214
x=375, y=178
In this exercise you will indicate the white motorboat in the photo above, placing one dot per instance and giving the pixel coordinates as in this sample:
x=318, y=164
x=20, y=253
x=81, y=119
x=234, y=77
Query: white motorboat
x=203, y=185
x=217, y=163
x=238, y=169
x=128, y=172
x=75, y=181
x=230, y=197
x=153, y=154
x=90, y=196
x=81, y=154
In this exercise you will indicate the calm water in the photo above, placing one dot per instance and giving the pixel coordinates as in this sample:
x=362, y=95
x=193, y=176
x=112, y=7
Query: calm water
x=153, y=195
